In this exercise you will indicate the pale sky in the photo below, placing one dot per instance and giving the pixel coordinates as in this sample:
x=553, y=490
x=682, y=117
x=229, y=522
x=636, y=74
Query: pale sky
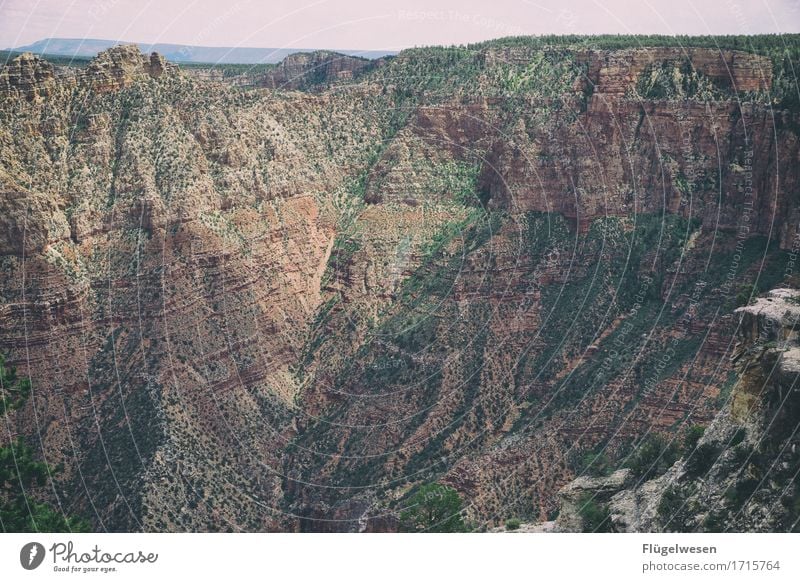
x=376, y=25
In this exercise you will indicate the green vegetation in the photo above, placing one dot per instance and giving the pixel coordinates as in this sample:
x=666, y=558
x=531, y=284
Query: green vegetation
x=649, y=458
x=652, y=456
x=22, y=475
x=595, y=517
x=513, y=523
x=765, y=44
x=692, y=436
x=715, y=522
x=738, y=437
x=592, y=464
x=616, y=284
x=746, y=293
x=676, y=80
x=434, y=508
x=675, y=512
x=791, y=521
x=422, y=70
x=14, y=391
x=701, y=459
x=460, y=180
x=740, y=492
x=229, y=70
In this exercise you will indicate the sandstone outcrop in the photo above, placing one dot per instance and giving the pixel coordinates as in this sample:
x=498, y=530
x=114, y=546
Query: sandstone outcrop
x=617, y=74
x=579, y=491
x=300, y=70
x=27, y=76
x=122, y=66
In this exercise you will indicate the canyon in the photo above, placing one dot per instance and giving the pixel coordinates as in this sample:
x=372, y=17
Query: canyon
x=283, y=302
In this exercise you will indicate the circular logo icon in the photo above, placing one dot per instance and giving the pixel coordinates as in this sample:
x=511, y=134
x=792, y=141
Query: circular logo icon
x=31, y=555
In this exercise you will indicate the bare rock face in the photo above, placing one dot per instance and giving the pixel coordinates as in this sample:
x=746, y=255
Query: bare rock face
x=617, y=74
x=158, y=65
x=588, y=490
x=772, y=319
x=768, y=353
x=27, y=76
x=301, y=70
x=604, y=164
x=121, y=66
x=635, y=509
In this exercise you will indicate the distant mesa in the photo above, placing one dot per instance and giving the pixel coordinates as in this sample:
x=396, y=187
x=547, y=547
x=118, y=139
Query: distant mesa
x=177, y=53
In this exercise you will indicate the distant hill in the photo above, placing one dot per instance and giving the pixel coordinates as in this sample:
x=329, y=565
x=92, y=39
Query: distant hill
x=177, y=53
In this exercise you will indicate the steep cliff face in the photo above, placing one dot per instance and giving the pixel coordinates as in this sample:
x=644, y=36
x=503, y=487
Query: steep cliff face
x=302, y=70
x=27, y=77
x=616, y=74
x=276, y=310
x=742, y=473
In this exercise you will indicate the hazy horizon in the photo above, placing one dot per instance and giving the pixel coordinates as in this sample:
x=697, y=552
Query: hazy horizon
x=360, y=25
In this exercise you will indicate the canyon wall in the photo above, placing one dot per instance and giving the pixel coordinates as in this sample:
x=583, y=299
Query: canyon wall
x=269, y=309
